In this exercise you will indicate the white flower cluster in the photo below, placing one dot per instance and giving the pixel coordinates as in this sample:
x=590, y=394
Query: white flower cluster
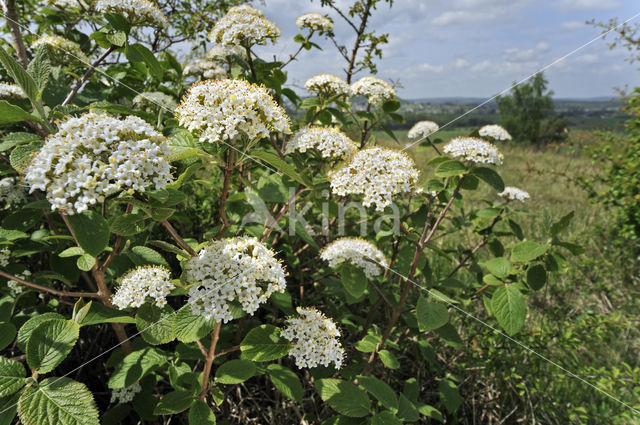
x=315, y=22
x=95, y=155
x=422, y=129
x=140, y=283
x=495, y=132
x=315, y=339
x=15, y=286
x=61, y=50
x=11, y=91
x=204, y=68
x=12, y=192
x=514, y=194
x=125, y=395
x=330, y=142
x=153, y=100
x=327, y=85
x=5, y=255
x=357, y=252
x=377, y=174
x=66, y=4
x=377, y=91
x=222, y=52
x=240, y=268
x=474, y=150
x=227, y=109
x=244, y=25
x=137, y=12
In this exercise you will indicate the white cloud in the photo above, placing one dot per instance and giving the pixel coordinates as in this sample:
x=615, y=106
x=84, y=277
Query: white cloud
x=573, y=25
x=587, y=58
x=461, y=63
x=587, y=4
x=476, y=11
x=425, y=67
x=482, y=66
x=515, y=54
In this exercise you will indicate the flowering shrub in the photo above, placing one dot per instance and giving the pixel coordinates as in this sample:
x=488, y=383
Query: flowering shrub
x=184, y=254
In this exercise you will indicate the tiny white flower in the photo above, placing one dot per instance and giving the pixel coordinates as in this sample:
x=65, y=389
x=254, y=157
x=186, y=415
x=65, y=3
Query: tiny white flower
x=244, y=25
x=377, y=91
x=357, y=252
x=330, y=142
x=474, y=150
x=422, y=129
x=137, y=12
x=141, y=283
x=494, y=132
x=61, y=50
x=315, y=21
x=327, y=85
x=514, y=194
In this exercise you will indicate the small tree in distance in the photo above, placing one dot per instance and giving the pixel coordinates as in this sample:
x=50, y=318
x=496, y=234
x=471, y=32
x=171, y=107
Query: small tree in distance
x=524, y=109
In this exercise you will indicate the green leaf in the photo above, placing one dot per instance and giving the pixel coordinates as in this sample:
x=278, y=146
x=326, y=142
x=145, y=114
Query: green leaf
x=280, y=165
x=235, y=371
x=286, y=381
x=155, y=323
x=129, y=224
x=263, y=344
x=450, y=168
x=73, y=251
x=536, y=276
x=344, y=397
x=117, y=38
x=353, y=279
x=91, y=231
x=389, y=359
x=499, y=267
x=431, y=315
x=391, y=105
x=201, y=414
x=188, y=327
x=11, y=113
x=50, y=343
x=12, y=374
x=490, y=177
x=86, y=262
x=118, y=22
x=40, y=68
x=406, y=409
x=527, y=251
x=142, y=256
x=21, y=155
x=449, y=395
x=7, y=334
x=509, y=308
x=19, y=75
x=9, y=408
x=135, y=366
x=368, y=343
x=138, y=53
x=57, y=401
x=380, y=390
x=385, y=418
x=99, y=313
x=431, y=412
x=174, y=402
x=561, y=224
x=28, y=327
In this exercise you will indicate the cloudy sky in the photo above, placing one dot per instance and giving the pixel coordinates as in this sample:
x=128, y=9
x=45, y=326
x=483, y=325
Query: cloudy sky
x=475, y=48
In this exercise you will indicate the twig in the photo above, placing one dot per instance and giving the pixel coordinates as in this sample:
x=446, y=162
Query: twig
x=50, y=290
x=177, y=238
x=9, y=7
x=87, y=74
x=210, y=357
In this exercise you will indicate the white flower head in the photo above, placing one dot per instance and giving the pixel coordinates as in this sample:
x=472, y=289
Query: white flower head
x=17, y=287
x=67, y=4
x=377, y=91
x=514, y=194
x=473, y=149
x=330, y=142
x=12, y=192
x=327, y=85
x=422, y=129
x=244, y=25
x=315, y=21
x=126, y=394
x=494, y=132
x=357, y=252
x=204, y=68
x=5, y=256
x=154, y=100
x=228, y=109
x=11, y=91
x=96, y=155
x=222, y=52
x=142, y=283
x=377, y=174
x=314, y=338
x=61, y=50
x=240, y=268
x=137, y=12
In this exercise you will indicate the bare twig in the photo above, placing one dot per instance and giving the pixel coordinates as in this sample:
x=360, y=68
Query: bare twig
x=87, y=74
x=9, y=7
x=177, y=237
x=50, y=290
x=210, y=357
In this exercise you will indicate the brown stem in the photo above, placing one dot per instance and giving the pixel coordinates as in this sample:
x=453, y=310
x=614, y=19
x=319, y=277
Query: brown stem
x=116, y=245
x=281, y=214
x=9, y=7
x=424, y=239
x=356, y=46
x=250, y=61
x=177, y=238
x=105, y=297
x=87, y=74
x=433, y=145
x=228, y=350
x=210, y=357
x=50, y=290
x=201, y=348
x=228, y=169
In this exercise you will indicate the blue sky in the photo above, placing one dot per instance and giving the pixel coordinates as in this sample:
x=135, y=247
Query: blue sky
x=474, y=48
